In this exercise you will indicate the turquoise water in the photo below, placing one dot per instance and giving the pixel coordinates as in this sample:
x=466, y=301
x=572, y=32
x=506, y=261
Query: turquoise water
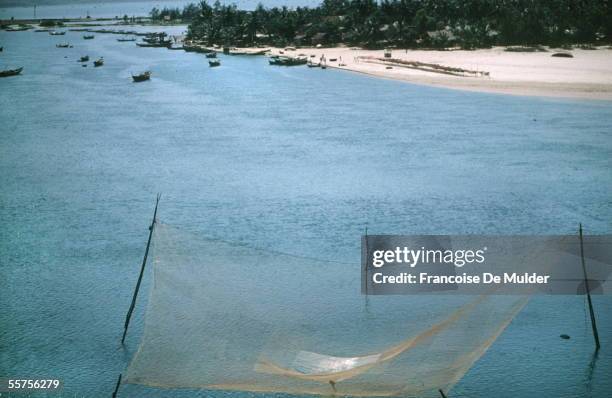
x=290, y=159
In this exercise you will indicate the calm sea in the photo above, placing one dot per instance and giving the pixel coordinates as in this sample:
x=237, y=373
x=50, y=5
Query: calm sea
x=292, y=159
x=131, y=8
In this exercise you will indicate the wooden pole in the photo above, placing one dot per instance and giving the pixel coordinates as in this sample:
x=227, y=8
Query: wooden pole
x=366, y=261
x=588, y=293
x=442, y=393
x=142, y=267
x=117, y=386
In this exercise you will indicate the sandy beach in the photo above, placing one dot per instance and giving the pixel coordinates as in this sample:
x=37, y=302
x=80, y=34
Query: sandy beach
x=587, y=75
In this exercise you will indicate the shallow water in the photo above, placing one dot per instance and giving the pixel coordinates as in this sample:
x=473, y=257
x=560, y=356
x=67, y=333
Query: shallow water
x=291, y=159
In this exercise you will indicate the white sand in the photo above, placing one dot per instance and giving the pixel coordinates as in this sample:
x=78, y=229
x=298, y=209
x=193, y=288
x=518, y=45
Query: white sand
x=587, y=75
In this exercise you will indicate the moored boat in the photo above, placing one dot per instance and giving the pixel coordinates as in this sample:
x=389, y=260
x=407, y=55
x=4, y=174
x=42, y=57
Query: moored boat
x=142, y=77
x=211, y=55
x=10, y=72
x=287, y=61
x=63, y=45
x=99, y=62
x=88, y=37
x=197, y=48
x=155, y=44
x=57, y=33
x=19, y=28
x=84, y=59
x=214, y=62
x=126, y=39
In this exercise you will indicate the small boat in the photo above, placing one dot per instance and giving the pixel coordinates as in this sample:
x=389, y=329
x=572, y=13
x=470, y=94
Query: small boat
x=57, y=33
x=10, y=72
x=287, y=61
x=126, y=39
x=142, y=77
x=155, y=44
x=20, y=28
x=84, y=59
x=313, y=65
x=99, y=62
x=63, y=45
x=1, y=49
x=211, y=55
x=196, y=48
x=214, y=62
x=88, y=37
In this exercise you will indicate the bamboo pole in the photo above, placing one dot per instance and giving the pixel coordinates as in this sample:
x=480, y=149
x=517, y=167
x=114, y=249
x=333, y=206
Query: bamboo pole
x=117, y=386
x=142, y=267
x=588, y=293
x=365, y=270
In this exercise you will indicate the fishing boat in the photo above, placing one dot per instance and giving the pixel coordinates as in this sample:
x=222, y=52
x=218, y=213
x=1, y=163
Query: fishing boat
x=165, y=43
x=63, y=45
x=84, y=59
x=142, y=77
x=214, y=62
x=20, y=28
x=57, y=33
x=10, y=72
x=190, y=46
x=287, y=61
x=99, y=62
x=211, y=55
x=126, y=39
x=88, y=37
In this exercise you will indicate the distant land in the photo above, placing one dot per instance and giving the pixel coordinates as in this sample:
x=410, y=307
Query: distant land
x=31, y=3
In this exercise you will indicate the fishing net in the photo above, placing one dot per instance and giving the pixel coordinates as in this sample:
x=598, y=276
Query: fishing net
x=227, y=316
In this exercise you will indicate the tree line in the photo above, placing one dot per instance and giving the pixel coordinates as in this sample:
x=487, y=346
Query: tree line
x=401, y=23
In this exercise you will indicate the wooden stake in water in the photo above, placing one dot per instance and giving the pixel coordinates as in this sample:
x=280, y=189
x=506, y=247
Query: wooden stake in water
x=142, y=267
x=588, y=293
x=117, y=386
x=365, y=270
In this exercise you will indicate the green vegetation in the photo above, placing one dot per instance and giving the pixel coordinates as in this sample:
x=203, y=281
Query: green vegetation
x=402, y=23
x=49, y=23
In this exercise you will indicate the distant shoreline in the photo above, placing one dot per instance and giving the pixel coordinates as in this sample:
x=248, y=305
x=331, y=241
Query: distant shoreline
x=586, y=75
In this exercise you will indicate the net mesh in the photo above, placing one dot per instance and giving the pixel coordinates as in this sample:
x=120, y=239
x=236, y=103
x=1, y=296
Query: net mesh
x=226, y=316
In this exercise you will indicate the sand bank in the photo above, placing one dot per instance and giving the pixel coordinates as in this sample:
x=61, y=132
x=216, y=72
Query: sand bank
x=588, y=75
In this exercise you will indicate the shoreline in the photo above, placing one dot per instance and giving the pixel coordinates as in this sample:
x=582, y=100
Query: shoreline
x=588, y=75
